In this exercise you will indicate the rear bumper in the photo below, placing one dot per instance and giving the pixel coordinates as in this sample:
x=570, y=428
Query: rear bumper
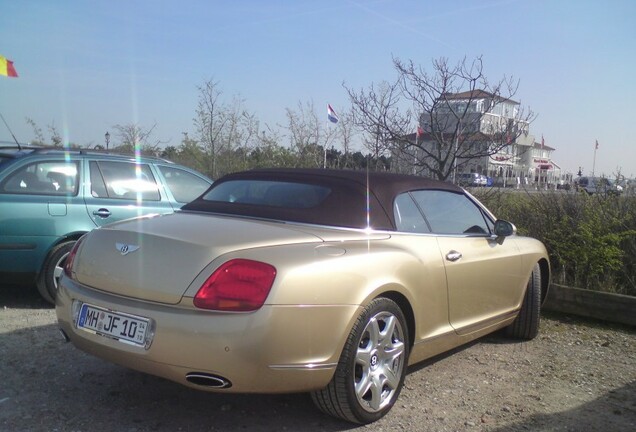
x=273, y=350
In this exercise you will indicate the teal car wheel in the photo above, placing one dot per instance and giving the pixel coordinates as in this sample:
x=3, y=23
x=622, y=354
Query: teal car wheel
x=52, y=270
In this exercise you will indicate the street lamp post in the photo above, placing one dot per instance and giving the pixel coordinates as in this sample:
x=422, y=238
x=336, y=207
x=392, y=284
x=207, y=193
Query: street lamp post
x=107, y=137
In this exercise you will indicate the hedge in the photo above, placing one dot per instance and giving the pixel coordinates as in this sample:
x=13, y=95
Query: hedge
x=591, y=239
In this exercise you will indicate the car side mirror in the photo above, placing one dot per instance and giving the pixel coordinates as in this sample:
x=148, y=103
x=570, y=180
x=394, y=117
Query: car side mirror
x=503, y=229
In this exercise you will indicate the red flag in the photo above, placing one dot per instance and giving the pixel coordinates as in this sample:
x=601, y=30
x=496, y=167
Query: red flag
x=6, y=68
x=420, y=131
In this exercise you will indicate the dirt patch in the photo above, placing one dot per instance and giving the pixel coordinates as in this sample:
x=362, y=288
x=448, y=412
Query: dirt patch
x=576, y=375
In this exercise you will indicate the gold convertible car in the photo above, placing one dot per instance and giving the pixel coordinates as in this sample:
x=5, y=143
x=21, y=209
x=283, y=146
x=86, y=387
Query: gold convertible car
x=298, y=280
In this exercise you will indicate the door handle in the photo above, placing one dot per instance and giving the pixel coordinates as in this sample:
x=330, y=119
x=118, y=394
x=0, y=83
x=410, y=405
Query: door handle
x=102, y=212
x=453, y=256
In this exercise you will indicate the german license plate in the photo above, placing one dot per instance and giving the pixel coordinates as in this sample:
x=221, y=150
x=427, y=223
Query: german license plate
x=123, y=327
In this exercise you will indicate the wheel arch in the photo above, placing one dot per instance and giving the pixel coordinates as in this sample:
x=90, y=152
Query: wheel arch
x=65, y=238
x=544, y=265
x=405, y=305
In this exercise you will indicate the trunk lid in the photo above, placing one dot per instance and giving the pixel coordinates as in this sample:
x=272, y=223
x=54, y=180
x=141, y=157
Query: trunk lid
x=157, y=258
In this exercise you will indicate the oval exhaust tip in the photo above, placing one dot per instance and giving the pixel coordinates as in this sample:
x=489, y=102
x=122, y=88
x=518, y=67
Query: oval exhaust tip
x=208, y=380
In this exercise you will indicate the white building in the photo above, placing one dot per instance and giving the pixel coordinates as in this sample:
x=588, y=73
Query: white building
x=488, y=118
x=525, y=162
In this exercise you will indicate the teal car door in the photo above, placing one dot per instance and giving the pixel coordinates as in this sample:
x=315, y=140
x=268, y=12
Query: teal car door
x=40, y=203
x=122, y=190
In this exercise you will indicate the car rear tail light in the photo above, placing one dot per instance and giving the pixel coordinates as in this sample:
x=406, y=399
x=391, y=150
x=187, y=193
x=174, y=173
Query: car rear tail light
x=68, y=264
x=239, y=285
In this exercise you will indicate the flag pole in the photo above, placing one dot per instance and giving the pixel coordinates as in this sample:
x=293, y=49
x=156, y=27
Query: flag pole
x=594, y=162
x=417, y=134
x=333, y=118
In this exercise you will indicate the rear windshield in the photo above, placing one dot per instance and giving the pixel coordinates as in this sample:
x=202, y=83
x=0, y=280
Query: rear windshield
x=269, y=193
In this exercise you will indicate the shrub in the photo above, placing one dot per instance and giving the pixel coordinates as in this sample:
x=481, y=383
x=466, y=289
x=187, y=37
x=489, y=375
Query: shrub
x=591, y=240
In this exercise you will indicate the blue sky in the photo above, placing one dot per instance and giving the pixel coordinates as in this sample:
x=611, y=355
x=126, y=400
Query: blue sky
x=86, y=66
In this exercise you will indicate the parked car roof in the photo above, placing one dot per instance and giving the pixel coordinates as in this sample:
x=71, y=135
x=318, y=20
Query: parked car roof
x=14, y=152
x=345, y=204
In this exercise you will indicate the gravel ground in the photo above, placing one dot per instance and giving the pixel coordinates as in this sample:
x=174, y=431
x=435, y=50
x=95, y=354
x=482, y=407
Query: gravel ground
x=577, y=375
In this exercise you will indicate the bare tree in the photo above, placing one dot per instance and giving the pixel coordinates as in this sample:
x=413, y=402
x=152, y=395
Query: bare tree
x=133, y=138
x=224, y=130
x=379, y=114
x=268, y=153
x=309, y=136
x=189, y=153
x=37, y=131
x=448, y=106
x=209, y=122
x=55, y=137
x=238, y=137
x=346, y=134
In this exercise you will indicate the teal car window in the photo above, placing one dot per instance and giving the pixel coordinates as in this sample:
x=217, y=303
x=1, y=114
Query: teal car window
x=184, y=186
x=43, y=178
x=98, y=186
x=123, y=180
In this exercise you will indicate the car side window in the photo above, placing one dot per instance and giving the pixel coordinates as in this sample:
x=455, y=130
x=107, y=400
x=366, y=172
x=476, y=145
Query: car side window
x=451, y=213
x=43, y=178
x=98, y=186
x=123, y=180
x=408, y=217
x=184, y=186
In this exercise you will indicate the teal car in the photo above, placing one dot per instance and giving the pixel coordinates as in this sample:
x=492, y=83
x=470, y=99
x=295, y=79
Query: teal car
x=50, y=198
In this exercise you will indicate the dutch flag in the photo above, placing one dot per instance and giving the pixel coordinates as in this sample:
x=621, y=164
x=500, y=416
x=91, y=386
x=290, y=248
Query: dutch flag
x=331, y=114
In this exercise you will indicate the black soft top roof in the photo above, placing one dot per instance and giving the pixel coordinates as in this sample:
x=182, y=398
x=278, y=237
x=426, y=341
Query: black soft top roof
x=346, y=205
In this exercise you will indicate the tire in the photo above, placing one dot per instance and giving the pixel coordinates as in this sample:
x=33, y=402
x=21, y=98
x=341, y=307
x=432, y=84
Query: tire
x=52, y=270
x=372, y=366
x=526, y=326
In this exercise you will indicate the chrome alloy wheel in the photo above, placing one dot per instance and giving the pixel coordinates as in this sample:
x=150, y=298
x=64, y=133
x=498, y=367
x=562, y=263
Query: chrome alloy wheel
x=49, y=278
x=379, y=361
x=59, y=269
